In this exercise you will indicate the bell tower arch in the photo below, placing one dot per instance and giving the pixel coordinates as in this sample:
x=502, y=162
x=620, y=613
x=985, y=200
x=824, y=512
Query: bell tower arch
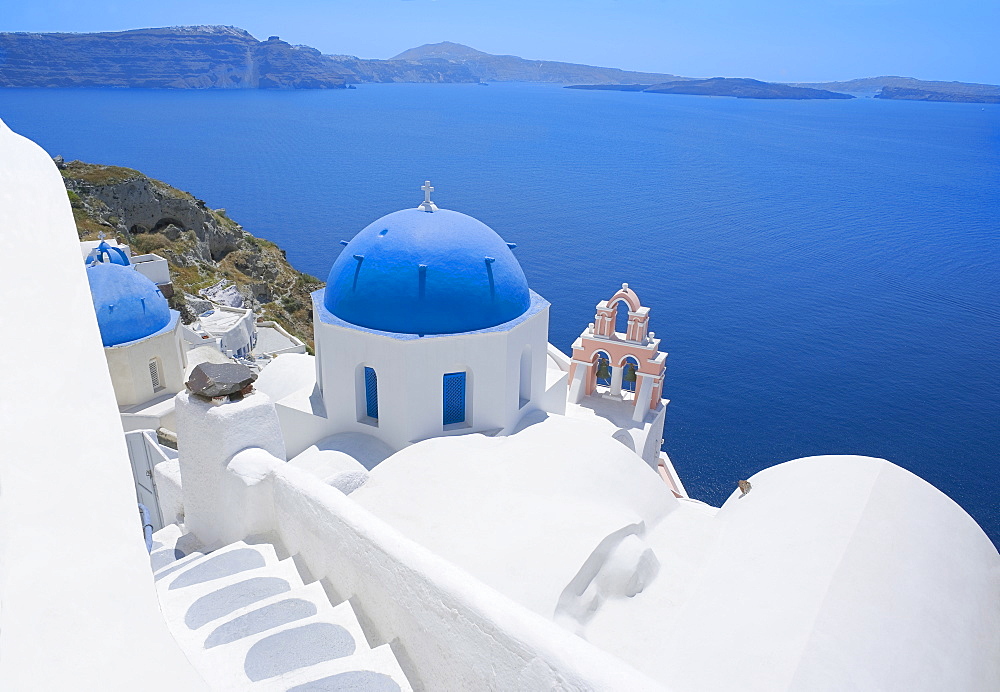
x=627, y=366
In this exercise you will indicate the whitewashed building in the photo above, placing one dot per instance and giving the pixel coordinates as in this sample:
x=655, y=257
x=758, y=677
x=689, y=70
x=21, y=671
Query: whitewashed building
x=495, y=537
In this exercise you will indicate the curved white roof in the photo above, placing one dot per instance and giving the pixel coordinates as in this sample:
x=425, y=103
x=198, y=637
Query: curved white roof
x=521, y=513
x=342, y=460
x=287, y=374
x=833, y=573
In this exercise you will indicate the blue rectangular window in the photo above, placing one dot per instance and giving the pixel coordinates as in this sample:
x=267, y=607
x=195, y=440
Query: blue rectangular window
x=371, y=393
x=454, y=398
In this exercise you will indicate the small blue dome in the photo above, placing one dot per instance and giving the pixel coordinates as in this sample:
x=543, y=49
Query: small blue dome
x=129, y=306
x=113, y=254
x=427, y=272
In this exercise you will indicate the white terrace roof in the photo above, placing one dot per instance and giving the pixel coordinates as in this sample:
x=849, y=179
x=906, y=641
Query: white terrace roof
x=218, y=321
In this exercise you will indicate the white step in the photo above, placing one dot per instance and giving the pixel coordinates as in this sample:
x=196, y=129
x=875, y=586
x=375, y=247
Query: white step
x=342, y=615
x=168, y=535
x=311, y=593
x=204, y=574
x=255, y=645
x=190, y=618
x=367, y=670
x=166, y=541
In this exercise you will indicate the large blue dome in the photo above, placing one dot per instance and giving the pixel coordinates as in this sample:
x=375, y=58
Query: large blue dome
x=129, y=306
x=427, y=272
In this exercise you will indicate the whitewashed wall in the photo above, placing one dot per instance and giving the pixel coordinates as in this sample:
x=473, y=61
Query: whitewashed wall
x=129, y=366
x=410, y=378
x=78, y=611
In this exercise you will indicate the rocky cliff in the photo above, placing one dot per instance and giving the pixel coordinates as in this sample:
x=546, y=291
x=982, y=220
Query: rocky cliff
x=203, y=246
x=225, y=57
x=200, y=57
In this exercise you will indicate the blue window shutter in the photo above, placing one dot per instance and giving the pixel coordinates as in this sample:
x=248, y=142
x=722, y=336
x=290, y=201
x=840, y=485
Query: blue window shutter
x=371, y=392
x=454, y=398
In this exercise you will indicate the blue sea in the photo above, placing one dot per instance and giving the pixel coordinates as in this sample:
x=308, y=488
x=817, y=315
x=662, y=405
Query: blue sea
x=824, y=274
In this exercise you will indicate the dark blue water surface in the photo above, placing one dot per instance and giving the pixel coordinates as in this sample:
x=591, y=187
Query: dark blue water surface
x=823, y=273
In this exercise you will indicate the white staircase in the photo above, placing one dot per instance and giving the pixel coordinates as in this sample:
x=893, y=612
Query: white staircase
x=247, y=621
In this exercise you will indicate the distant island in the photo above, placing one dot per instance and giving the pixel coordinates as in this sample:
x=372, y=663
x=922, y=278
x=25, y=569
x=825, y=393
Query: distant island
x=724, y=86
x=227, y=57
x=917, y=94
x=914, y=89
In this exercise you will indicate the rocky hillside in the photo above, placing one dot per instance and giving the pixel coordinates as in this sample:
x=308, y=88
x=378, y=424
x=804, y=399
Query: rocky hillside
x=203, y=246
x=226, y=57
x=199, y=57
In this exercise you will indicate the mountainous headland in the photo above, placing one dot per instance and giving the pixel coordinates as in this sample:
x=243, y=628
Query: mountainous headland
x=510, y=68
x=724, y=86
x=203, y=246
x=227, y=57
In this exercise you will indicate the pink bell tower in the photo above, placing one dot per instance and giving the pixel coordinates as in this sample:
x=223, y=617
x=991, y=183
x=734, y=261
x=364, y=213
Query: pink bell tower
x=604, y=360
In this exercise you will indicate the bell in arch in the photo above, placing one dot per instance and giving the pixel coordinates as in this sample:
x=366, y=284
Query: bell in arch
x=629, y=374
x=603, y=371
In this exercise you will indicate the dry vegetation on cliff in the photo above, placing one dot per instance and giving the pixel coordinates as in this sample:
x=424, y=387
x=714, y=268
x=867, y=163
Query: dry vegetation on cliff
x=202, y=245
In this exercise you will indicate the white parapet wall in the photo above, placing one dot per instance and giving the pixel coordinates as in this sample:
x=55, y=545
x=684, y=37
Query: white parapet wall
x=449, y=630
x=78, y=610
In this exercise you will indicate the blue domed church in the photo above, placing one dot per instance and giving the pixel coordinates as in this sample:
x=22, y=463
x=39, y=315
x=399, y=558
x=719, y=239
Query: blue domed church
x=139, y=331
x=427, y=327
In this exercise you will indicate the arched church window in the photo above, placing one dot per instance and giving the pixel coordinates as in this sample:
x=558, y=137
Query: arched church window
x=621, y=317
x=524, y=392
x=371, y=393
x=454, y=398
x=155, y=376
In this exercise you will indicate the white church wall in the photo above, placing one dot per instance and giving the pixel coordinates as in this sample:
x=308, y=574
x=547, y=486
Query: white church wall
x=410, y=384
x=300, y=428
x=650, y=438
x=130, y=369
x=553, y=399
x=79, y=608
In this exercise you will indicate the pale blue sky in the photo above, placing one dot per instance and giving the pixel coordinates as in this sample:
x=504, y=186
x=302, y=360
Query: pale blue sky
x=781, y=40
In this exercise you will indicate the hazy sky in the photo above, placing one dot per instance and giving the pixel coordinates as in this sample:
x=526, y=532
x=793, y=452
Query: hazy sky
x=782, y=40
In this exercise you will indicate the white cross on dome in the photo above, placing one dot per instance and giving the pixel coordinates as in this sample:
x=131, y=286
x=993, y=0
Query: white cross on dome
x=427, y=204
